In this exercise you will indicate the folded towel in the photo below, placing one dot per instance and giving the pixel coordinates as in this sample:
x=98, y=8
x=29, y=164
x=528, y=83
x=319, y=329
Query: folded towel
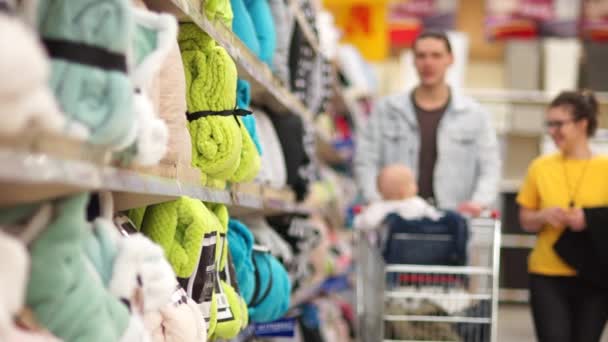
x=290, y=130
x=243, y=99
x=153, y=39
x=283, y=22
x=140, y=267
x=27, y=96
x=136, y=215
x=219, y=10
x=242, y=26
x=179, y=321
x=211, y=82
x=273, y=169
x=171, y=93
x=178, y=227
x=273, y=288
x=240, y=243
x=249, y=123
x=261, y=16
x=76, y=307
x=263, y=281
x=100, y=245
x=243, y=94
x=250, y=158
x=89, y=66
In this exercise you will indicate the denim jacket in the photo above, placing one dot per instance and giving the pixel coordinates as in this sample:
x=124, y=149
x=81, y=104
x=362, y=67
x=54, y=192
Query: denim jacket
x=468, y=162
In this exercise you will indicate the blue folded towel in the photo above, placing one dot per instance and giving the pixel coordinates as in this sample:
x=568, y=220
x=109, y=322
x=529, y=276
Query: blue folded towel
x=261, y=16
x=240, y=243
x=242, y=26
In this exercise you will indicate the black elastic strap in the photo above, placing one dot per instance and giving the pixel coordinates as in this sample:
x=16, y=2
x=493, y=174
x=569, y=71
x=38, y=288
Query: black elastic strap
x=256, y=287
x=204, y=113
x=86, y=54
x=256, y=299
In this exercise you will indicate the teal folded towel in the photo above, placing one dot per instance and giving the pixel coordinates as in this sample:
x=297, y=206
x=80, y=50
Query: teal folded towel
x=88, y=44
x=243, y=98
x=274, y=289
x=65, y=292
x=242, y=26
x=240, y=242
x=261, y=16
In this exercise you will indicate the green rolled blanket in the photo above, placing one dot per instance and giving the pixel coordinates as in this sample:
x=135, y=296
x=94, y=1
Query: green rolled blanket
x=250, y=159
x=219, y=10
x=211, y=77
x=87, y=44
x=136, y=215
x=216, y=146
x=178, y=227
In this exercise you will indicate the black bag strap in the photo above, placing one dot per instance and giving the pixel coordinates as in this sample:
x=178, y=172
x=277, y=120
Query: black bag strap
x=256, y=299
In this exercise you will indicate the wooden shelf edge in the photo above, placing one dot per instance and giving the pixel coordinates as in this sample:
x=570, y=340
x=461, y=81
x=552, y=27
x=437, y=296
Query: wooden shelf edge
x=29, y=177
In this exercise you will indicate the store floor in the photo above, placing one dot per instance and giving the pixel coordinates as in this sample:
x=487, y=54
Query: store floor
x=515, y=324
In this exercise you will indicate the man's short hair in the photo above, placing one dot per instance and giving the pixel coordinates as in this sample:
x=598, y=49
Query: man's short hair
x=436, y=35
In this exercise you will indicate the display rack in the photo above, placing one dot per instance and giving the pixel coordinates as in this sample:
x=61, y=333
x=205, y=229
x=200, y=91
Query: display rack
x=48, y=167
x=30, y=174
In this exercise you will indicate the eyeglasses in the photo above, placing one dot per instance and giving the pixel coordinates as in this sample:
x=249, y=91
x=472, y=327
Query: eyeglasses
x=557, y=124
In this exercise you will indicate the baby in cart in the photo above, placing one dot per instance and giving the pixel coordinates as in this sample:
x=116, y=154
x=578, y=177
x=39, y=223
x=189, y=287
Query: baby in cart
x=397, y=186
x=416, y=232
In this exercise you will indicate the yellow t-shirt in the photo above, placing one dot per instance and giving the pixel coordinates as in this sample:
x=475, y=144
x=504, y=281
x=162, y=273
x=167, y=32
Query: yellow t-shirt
x=546, y=186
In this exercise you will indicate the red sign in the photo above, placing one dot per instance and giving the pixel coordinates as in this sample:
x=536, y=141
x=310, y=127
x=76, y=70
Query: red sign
x=507, y=19
x=595, y=20
x=407, y=18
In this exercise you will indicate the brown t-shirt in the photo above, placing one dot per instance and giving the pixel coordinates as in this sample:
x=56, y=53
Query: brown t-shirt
x=428, y=121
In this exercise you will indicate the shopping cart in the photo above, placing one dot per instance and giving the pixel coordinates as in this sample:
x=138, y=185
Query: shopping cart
x=405, y=302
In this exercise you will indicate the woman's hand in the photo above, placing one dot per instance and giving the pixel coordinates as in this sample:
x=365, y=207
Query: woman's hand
x=533, y=220
x=576, y=219
x=555, y=216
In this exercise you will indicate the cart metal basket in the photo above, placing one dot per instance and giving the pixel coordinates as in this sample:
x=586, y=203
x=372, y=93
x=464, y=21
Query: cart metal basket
x=407, y=302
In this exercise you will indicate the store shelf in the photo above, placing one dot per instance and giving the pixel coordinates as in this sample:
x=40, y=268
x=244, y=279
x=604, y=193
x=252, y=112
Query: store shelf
x=266, y=89
x=33, y=176
x=296, y=11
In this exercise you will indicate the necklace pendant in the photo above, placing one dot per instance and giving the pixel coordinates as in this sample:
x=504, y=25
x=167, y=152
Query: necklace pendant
x=571, y=204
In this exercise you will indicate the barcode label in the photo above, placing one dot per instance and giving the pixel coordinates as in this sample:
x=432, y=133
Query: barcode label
x=179, y=296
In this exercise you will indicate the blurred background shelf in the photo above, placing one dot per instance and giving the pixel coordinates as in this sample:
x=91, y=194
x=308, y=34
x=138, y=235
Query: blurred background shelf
x=296, y=10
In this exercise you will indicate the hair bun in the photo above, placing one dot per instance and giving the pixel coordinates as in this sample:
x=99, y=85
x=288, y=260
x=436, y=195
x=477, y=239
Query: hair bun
x=588, y=97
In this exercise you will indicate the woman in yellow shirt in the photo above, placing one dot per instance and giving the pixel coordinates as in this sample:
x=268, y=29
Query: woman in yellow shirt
x=564, y=307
